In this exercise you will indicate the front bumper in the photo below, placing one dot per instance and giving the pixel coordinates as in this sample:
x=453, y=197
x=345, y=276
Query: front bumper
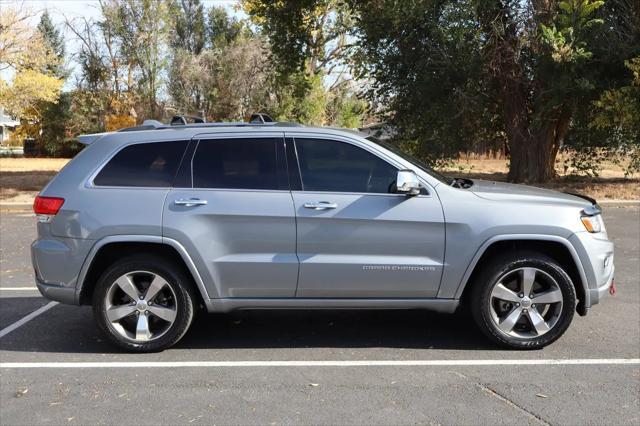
x=599, y=293
x=596, y=255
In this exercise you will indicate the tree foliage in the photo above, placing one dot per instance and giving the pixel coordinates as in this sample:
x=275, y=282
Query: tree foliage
x=527, y=77
x=451, y=74
x=35, y=57
x=189, y=32
x=425, y=69
x=28, y=89
x=142, y=28
x=311, y=54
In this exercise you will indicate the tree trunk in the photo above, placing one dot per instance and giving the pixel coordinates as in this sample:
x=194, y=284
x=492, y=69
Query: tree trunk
x=533, y=158
x=533, y=141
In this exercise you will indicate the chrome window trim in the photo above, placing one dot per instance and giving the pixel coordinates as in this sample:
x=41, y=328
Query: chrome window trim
x=89, y=183
x=218, y=136
x=377, y=194
x=372, y=150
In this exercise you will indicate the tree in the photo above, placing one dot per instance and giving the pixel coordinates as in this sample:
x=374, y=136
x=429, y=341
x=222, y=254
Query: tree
x=189, y=26
x=227, y=83
x=424, y=66
x=307, y=35
x=142, y=27
x=54, y=115
x=481, y=69
x=24, y=51
x=540, y=79
x=188, y=41
x=54, y=43
x=222, y=29
x=105, y=96
x=29, y=88
x=310, y=50
x=21, y=45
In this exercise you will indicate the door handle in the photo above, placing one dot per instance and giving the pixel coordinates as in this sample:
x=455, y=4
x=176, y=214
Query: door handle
x=190, y=202
x=320, y=205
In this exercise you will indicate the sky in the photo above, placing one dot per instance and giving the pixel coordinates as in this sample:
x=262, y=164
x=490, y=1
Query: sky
x=60, y=10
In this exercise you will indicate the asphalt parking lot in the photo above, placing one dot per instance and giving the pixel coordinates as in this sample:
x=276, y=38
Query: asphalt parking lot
x=319, y=367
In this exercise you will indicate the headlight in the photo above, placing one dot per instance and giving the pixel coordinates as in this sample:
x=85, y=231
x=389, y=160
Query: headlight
x=593, y=224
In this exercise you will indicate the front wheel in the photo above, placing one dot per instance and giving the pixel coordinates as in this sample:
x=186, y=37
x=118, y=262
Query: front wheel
x=523, y=300
x=143, y=303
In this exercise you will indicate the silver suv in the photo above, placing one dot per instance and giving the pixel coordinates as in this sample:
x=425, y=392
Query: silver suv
x=151, y=224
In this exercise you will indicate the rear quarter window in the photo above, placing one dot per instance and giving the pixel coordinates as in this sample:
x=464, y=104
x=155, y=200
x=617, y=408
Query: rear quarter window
x=143, y=165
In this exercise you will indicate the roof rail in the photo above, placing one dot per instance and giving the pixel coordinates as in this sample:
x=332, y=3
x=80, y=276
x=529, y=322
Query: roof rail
x=178, y=121
x=146, y=125
x=260, y=118
x=181, y=120
x=89, y=139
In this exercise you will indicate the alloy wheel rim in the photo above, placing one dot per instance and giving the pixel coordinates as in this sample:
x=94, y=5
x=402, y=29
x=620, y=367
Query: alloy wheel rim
x=525, y=303
x=140, y=306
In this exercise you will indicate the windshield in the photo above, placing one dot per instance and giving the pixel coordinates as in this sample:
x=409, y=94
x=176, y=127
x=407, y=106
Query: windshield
x=418, y=163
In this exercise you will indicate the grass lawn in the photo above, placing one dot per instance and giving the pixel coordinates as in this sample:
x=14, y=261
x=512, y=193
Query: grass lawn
x=22, y=178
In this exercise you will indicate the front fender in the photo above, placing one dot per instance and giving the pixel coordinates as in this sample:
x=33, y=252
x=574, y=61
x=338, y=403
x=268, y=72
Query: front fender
x=525, y=237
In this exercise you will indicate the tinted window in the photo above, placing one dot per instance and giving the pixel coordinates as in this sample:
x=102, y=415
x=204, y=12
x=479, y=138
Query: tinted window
x=236, y=163
x=146, y=164
x=334, y=166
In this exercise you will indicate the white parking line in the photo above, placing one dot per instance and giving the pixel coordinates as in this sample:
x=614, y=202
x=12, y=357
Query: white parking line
x=381, y=363
x=26, y=319
x=18, y=288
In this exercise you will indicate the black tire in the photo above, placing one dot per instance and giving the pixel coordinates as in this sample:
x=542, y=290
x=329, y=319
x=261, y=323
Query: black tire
x=179, y=284
x=480, y=301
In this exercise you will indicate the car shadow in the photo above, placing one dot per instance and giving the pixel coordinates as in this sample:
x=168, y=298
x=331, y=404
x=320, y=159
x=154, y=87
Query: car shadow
x=71, y=329
x=408, y=329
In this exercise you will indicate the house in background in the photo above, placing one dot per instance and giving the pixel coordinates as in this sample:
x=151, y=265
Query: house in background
x=7, y=125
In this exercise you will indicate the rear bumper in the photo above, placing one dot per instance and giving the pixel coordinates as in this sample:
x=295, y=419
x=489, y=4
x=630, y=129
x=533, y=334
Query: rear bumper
x=57, y=293
x=57, y=263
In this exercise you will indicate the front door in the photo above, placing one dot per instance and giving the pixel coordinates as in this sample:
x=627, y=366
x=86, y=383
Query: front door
x=233, y=212
x=356, y=238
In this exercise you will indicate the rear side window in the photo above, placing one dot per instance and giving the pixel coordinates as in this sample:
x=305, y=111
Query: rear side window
x=145, y=165
x=334, y=166
x=236, y=163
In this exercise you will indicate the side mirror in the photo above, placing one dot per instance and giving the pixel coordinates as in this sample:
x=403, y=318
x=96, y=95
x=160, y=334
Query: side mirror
x=407, y=182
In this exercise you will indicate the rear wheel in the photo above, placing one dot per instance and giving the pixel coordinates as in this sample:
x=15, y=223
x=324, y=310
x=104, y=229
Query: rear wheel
x=143, y=303
x=523, y=300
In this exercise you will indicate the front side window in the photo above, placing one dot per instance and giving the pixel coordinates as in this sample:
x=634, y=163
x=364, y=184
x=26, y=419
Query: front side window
x=333, y=166
x=143, y=165
x=236, y=163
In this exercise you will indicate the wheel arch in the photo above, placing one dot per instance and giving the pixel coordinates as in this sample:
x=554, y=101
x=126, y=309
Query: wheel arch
x=107, y=250
x=558, y=248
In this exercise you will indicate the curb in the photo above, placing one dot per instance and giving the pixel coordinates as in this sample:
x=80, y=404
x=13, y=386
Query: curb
x=619, y=202
x=16, y=207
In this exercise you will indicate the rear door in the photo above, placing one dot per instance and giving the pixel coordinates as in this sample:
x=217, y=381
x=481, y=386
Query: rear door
x=356, y=238
x=231, y=208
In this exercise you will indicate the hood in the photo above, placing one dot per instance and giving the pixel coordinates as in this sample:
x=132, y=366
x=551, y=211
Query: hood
x=500, y=191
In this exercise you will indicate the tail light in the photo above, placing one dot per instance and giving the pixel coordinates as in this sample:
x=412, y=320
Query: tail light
x=46, y=207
